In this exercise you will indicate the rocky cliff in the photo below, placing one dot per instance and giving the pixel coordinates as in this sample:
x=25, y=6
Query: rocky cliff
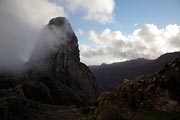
x=55, y=65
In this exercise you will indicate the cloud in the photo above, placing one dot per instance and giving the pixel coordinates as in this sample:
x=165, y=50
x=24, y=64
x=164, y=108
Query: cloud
x=148, y=42
x=20, y=24
x=136, y=24
x=52, y=39
x=95, y=10
x=80, y=32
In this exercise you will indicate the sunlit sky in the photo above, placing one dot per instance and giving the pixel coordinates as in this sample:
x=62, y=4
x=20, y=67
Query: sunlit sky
x=129, y=15
x=126, y=17
x=108, y=30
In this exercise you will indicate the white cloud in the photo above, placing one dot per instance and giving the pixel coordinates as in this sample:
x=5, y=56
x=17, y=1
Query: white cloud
x=148, y=42
x=80, y=32
x=135, y=25
x=34, y=12
x=21, y=21
x=95, y=10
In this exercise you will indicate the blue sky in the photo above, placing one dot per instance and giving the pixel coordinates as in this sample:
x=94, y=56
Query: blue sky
x=131, y=14
x=140, y=12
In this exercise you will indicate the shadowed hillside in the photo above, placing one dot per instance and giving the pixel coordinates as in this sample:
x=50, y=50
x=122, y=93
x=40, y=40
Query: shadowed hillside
x=155, y=97
x=110, y=75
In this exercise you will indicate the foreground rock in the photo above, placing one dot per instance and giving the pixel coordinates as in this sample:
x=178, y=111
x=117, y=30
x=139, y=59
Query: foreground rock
x=159, y=93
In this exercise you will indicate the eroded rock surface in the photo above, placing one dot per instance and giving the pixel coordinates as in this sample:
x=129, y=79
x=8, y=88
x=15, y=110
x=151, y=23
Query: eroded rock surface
x=55, y=62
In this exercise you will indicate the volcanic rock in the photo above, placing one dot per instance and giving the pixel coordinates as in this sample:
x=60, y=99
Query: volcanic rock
x=55, y=62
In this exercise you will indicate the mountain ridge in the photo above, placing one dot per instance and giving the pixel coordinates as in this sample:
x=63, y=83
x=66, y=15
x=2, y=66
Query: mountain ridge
x=110, y=75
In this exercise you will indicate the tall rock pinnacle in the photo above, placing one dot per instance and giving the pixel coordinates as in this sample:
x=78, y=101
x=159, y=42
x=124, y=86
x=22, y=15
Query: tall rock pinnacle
x=55, y=62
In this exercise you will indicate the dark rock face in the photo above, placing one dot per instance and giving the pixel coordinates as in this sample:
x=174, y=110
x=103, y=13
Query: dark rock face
x=55, y=62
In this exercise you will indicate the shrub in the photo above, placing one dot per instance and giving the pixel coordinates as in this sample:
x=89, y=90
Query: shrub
x=92, y=118
x=111, y=112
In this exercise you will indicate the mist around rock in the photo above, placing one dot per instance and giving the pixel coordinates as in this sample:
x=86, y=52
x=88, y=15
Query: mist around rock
x=52, y=39
x=19, y=40
x=21, y=29
x=53, y=74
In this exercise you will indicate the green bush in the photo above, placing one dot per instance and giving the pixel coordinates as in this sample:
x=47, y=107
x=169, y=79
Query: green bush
x=111, y=112
x=92, y=118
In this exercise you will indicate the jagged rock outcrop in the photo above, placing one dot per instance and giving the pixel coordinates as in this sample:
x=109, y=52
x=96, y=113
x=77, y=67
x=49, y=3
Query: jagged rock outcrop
x=56, y=64
x=159, y=92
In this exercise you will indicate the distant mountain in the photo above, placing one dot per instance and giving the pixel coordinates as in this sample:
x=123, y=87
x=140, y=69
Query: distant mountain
x=110, y=75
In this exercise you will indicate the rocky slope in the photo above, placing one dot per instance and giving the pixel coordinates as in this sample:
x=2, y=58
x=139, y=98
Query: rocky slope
x=53, y=75
x=158, y=93
x=111, y=75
